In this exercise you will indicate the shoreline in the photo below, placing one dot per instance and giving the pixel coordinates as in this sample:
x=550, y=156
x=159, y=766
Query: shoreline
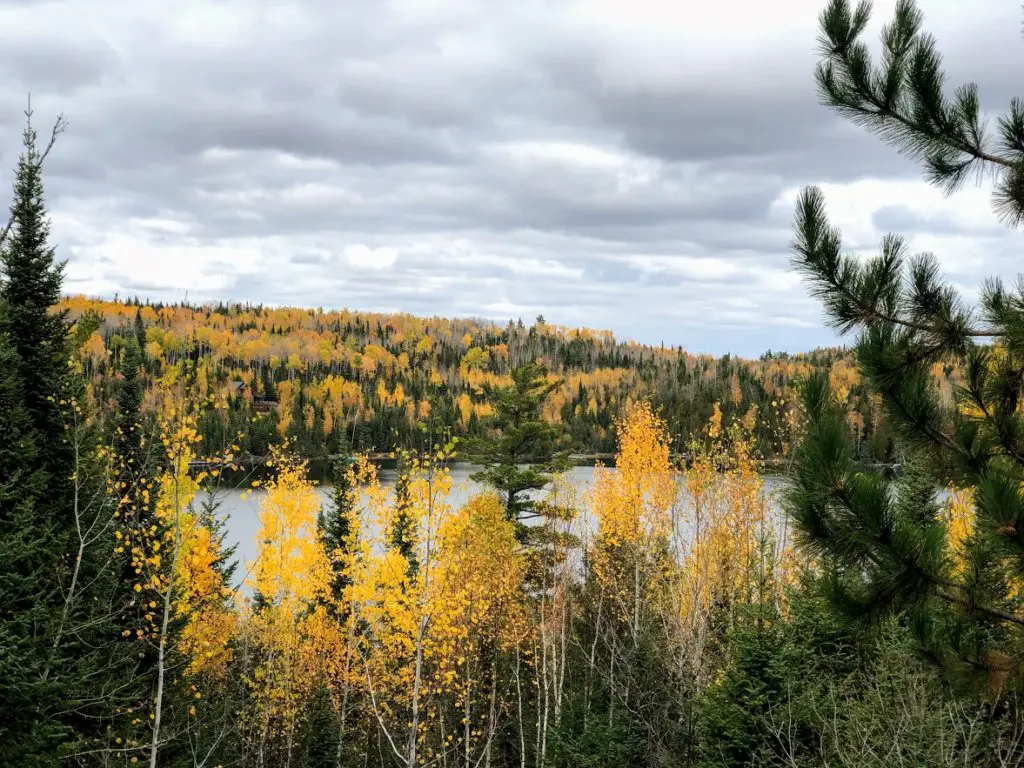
x=253, y=467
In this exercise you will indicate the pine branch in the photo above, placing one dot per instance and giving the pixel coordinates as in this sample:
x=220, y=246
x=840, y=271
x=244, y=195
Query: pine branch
x=900, y=99
x=995, y=613
x=853, y=296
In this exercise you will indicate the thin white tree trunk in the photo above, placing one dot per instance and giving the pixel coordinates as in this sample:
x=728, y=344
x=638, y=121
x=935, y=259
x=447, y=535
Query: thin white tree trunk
x=161, y=664
x=519, y=703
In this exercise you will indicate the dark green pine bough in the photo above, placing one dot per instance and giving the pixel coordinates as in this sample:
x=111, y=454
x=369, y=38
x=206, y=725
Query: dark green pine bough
x=883, y=542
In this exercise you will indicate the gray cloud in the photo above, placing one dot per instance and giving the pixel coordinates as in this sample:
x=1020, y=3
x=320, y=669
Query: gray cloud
x=441, y=158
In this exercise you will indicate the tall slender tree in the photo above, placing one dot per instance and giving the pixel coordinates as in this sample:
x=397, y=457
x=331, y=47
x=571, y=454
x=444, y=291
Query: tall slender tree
x=24, y=558
x=135, y=484
x=140, y=332
x=31, y=285
x=34, y=514
x=337, y=527
x=403, y=527
x=56, y=590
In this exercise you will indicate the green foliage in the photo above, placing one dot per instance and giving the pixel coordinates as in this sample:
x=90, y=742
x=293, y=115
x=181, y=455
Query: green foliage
x=403, y=530
x=321, y=743
x=84, y=327
x=598, y=374
x=25, y=732
x=901, y=99
x=524, y=456
x=623, y=706
x=884, y=543
x=226, y=563
x=61, y=673
x=34, y=494
x=813, y=690
x=336, y=525
x=840, y=673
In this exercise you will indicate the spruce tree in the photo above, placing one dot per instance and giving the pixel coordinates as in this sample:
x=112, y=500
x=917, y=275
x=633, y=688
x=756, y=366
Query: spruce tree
x=336, y=526
x=885, y=543
x=36, y=518
x=267, y=381
x=140, y=332
x=30, y=286
x=134, y=461
x=134, y=475
x=226, y=562
x=524, y=456
x=26, y=734
x=403, y=528
x=61, y=670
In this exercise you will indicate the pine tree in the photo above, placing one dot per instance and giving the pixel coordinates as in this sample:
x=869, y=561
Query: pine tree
x=25, y=732
x=336, y=526
x=140, y=333
x=403, y=527
x=525, y=455
x=56, y=625
x=884, y=543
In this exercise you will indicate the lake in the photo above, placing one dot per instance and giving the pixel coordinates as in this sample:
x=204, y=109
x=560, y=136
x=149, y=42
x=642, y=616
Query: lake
x=242, y=519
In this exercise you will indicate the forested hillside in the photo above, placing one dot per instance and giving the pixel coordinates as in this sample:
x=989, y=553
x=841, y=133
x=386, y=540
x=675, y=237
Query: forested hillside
x=328, y=380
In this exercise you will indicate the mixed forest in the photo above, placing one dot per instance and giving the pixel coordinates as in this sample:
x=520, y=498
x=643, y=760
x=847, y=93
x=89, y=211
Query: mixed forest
x=330, y=382
x=666, y=616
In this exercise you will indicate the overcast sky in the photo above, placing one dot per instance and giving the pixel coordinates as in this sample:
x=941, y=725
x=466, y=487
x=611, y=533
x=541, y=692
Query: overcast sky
x=611, y=163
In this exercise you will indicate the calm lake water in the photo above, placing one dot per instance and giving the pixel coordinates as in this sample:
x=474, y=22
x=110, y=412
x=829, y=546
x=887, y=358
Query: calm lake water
x=241, y=514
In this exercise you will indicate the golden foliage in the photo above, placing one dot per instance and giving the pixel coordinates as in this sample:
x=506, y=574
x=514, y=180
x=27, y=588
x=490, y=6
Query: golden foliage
x=632, y=506
x=730, y=521
x=291, y=575
x=960, y=524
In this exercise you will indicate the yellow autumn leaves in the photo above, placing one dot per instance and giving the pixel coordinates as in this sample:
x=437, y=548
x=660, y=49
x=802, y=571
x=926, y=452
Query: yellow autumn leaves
x=401, y=638
x=190, y=582
x=674, y=545
x=407, y=645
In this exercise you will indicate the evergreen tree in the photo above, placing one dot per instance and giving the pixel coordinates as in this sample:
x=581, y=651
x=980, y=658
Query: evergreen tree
x=30, y=286
x=61, y=670
x=525, y=455
x=884, y=544
x=321, y=747
x=140, y=332
x=26, y=734
x=129, y=430
x=403, y=533
x=225, y=564
x=36, y=517
x=336, y=525
x=267, y=380
x=133, y=471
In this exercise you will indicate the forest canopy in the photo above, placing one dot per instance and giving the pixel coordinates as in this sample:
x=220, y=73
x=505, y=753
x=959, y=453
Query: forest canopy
x=331, y=381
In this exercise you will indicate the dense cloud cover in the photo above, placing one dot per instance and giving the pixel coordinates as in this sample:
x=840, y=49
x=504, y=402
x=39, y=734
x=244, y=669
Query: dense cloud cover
x=623, y=165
